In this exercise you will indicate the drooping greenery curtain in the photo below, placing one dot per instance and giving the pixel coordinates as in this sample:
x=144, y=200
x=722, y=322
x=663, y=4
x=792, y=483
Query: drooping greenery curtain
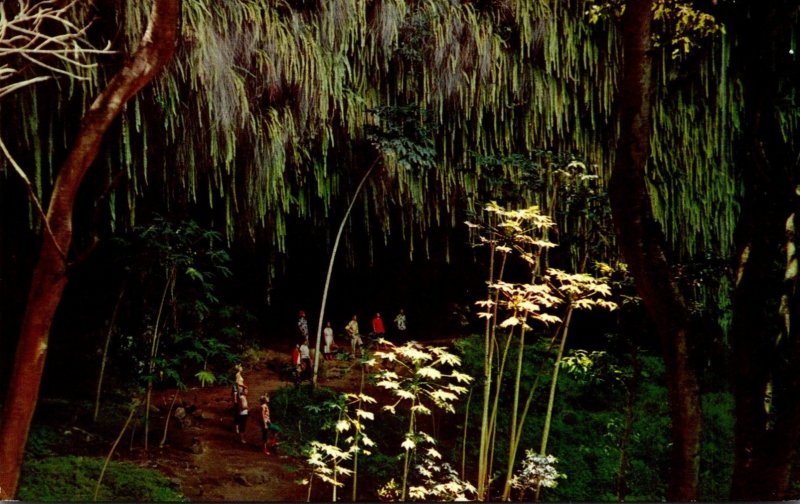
x=265, y=113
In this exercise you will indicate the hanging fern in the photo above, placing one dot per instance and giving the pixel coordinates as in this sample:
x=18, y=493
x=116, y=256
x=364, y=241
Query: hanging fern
x=267, y=111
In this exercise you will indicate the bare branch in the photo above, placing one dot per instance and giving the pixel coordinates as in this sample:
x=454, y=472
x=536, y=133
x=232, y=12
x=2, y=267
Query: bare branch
x=65, y=50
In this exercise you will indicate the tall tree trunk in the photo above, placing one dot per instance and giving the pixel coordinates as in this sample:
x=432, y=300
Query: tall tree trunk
x=766, y=304
x=642, y=246
x=50, y=274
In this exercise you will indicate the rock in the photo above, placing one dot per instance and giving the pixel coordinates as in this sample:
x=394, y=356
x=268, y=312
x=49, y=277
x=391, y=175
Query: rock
x=180, y=413
x=242, y=480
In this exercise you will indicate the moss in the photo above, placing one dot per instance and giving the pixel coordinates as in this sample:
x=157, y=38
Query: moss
x=71, y=478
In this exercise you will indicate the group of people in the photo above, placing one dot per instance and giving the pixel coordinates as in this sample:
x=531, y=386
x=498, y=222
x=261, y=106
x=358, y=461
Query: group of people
x=353, y=332
x=241, y=412
x=301, y=359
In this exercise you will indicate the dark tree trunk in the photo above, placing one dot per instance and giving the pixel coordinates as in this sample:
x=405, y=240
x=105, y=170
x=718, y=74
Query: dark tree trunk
x=50, y=274
x=642, y=246
x=764, y=333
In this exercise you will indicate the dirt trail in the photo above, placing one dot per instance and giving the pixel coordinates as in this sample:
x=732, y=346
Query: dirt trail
x=208, y=459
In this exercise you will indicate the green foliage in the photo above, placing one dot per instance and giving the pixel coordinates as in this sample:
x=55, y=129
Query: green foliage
x=589, y=420
x=404, y=136
x=70, y=478
x=42, y=441
x=302, y=416
x=199, y=332
x=587, y=440
x=679, y=26
x=206, y=377
x=716, y=447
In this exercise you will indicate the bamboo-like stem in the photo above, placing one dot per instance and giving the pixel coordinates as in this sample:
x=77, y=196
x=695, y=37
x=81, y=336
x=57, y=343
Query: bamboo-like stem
x=166, y=424
x=153, y=352
x=407, y=456
x=330, y=266
x=335, y=460
x=512, y=446
x=531, y=393
x=501, y=361
x=134, y=407
x=464, y=440
x=487, y=387
x=358, y=435
x=556, y=367
x=496, y=406
x=105, y=353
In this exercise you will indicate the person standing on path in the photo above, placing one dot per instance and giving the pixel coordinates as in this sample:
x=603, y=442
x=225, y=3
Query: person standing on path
x=378, y=330
x=302, y=325
x=266, y=424
x=328, y=349
x=354, y=333
x=400, y=324
x=305, y=359
x=238, y=383
x=378, y=333
x=243, y=413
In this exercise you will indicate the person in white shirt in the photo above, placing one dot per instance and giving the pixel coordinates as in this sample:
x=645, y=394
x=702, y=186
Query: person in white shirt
x=305, y=359
x=400, y=324
x=328, y=349
x=355, y=334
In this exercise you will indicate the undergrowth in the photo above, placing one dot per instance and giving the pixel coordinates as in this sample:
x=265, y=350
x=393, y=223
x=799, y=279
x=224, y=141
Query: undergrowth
x=71, y=478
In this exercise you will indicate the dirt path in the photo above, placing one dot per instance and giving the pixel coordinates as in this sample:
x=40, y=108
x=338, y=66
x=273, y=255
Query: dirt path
x=206, y=456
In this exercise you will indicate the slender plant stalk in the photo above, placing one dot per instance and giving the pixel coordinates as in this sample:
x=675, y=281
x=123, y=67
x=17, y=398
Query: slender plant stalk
x=487, y=387
x=496, y=404
x=532, y=393
x=491, y=324
x=105, y=354
x=551, y=400
x=358, y=435
x=133, y=436
x=512, y=449
x=330, y=266
x=464, y=441
x=533, y=390
x=153, y=352
x=407, y=457
x=310, y=482
x=499, y=376
x=166, y=424
x=556, y=367
x=335, y=461
x=134, y=407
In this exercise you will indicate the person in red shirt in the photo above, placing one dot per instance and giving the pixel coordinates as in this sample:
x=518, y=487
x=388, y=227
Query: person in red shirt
x=377, y=326
x=296, y=364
